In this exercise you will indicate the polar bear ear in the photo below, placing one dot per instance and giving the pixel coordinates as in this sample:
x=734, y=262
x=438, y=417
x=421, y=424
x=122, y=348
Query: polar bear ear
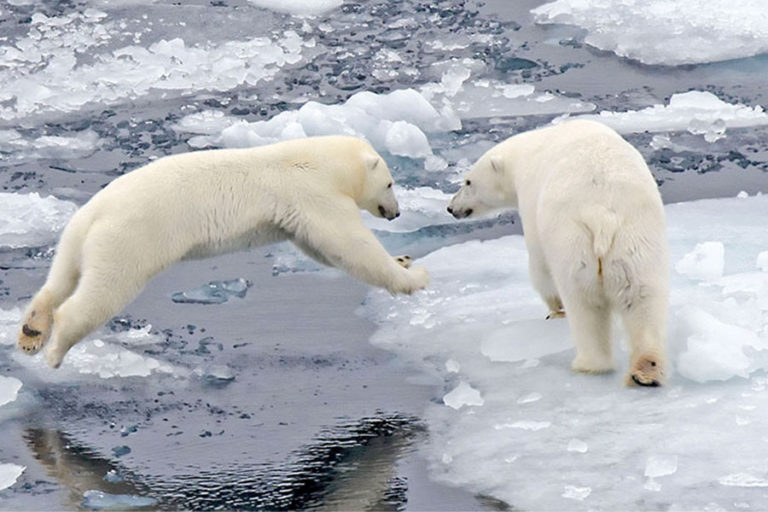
x=371, y=161
x=497, y=164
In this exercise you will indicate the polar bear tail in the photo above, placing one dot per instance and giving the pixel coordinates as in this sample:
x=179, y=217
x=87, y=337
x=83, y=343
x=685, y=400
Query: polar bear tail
x=602, y=224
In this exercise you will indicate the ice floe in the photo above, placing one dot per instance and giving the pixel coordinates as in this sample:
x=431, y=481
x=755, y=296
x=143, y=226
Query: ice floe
x=9, y=473
x=547, y=438
x=28, y=220
x=300, y=7
x=666, y=32
x=698, y=112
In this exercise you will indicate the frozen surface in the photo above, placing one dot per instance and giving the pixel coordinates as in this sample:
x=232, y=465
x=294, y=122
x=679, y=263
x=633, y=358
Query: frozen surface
x=545, y=438
x=698, y=112
x=395, y=122
x=47, y=146
x=705, y=262
x=419, y=207
x=9, y=389
x=300, y=7
x=99, y=500
x=28, y=220
x=9, y=473
x=215, y=292
x=666, y=32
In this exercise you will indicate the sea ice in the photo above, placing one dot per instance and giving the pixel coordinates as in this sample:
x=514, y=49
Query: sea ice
x=215, y=292
x=300, y=7
x=9, y=389
x=705, y=428
x=100, y=500
x=463, y=394
x=23, y=148
x=9, y=473
x=705, y=263
x=699, y=112
x=419, y=207
x=395, y=122
x=666, y=32
x=28, y=220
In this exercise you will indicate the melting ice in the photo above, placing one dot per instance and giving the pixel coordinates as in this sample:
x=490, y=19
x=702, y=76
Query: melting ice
x=518, y=425
x=667, y=32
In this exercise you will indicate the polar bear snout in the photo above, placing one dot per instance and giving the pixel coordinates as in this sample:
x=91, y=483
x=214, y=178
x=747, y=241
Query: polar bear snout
x=387, y=214
x=460, y=214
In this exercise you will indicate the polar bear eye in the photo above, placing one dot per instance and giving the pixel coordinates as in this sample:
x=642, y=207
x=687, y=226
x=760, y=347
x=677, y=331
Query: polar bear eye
x=468, y=182
x=390, y=185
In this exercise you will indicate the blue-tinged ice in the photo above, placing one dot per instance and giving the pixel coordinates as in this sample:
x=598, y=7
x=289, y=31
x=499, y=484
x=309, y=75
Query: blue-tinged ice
x=100, y=500
x=215, y=292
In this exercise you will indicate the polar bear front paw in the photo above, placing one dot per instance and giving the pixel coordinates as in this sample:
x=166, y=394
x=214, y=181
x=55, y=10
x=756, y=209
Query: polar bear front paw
x=404, y=261
x=417, y=279
x=646, y=370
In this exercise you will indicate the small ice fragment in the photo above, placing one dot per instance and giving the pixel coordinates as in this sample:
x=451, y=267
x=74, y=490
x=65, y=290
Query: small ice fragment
x=660, y=465
x=9, y=389
x=435, y=163
x=524, y=425
x=577, y=445
x=9, y=473
x=447, y=459
x=743, y=480
x=530, y=397
x=705, y=263
x=576, y=493
x=762, y=261
x=98, y=343
x=99, y=500
x=652, y=485
x=742, y=195
x=452, y=366
x=215, y=292
x=463, y=394
x=119, y=451
x=218, y=376
x=113, y=476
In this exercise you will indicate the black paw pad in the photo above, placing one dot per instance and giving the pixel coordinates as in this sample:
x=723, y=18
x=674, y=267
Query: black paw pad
x=28, y=331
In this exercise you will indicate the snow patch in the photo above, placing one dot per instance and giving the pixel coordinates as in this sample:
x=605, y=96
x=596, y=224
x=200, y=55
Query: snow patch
x=28, y=220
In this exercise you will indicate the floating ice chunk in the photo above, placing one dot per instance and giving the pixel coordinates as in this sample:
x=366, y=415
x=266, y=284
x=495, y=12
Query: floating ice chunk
x=715, y=350
x=577, y=445
x=524, y=425
x=576, y=493
x=742, y=195
x=667, y=32
x=301, y=8
x=743, y=480
x=9, y=323
x=28, y=220
x=705, y=263
x=511, y=343
x=660, y=465
x=23, y=148
x=701, y=109
x=453, y=78
x=462, y=395
x=452, y=366
x=530, y=398
x=396, y=122
x=9, y=389
x=405, y=139
x=100, y=500
x=9, y=473
x=215, y=292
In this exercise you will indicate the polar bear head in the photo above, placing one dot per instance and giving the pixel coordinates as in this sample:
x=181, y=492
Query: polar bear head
x=378, y=197
x=485, y=189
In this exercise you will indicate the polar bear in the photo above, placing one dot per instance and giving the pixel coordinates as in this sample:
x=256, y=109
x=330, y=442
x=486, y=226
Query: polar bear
x=594, y=226
x=204, y=203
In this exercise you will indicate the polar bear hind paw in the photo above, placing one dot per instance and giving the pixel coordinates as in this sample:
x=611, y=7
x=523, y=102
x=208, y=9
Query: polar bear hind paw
x=404, y=261
x=32, y=337
x=646, y=371
x=556, y=314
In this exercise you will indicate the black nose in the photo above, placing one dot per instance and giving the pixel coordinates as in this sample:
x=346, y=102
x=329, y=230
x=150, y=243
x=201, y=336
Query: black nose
x=450, y=210
x=469, y=212
x=397, y=214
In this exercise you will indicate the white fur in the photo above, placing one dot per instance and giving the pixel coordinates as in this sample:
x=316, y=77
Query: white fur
x=204, y=203
x=594, y=226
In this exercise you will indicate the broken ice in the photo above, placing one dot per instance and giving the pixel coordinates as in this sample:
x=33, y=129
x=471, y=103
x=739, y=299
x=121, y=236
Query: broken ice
x=9, y=473
x=215, y=292
x=100, y=500
x=28, y=220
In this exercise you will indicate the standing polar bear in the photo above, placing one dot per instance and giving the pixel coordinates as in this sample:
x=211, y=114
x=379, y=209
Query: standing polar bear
x=594, y=227
x=204, y=203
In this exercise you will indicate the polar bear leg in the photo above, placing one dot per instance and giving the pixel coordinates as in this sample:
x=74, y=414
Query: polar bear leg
x=590, y=327
x=62, y=279
x=352, y=247
x=542, y=282
x=114, y=269
x=645, y=323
